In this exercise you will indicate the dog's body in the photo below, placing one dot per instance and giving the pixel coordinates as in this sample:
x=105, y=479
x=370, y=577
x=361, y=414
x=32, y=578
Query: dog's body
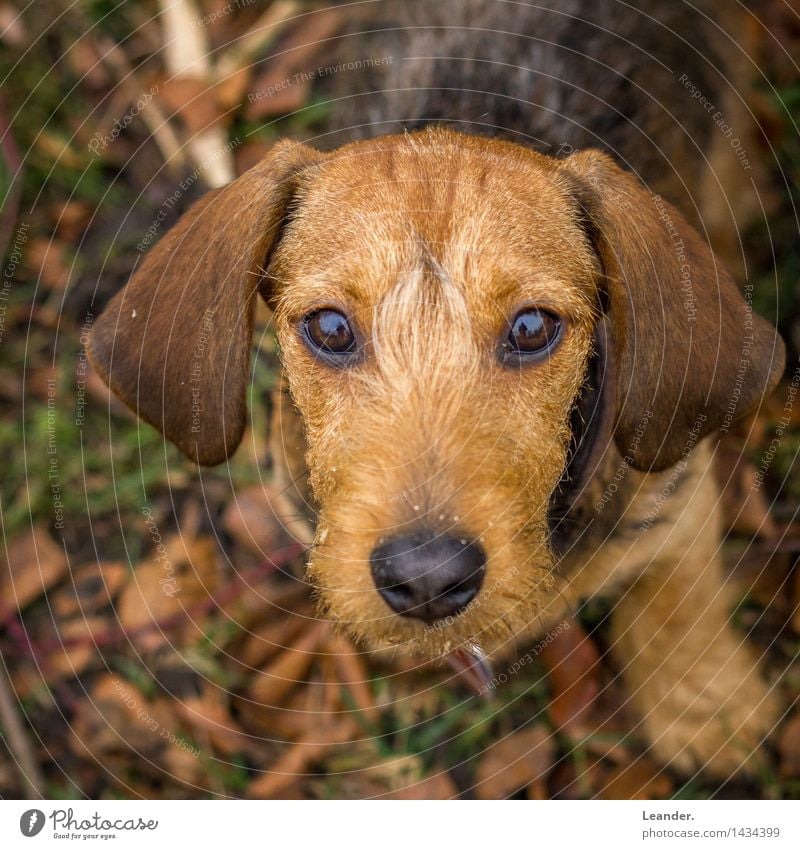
x=501, y=367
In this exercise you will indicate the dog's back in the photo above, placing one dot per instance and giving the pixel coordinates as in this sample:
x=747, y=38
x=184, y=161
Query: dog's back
x=658, y=85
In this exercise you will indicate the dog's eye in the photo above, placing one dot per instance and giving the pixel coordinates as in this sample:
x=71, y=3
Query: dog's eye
x=533, y=331
x=329, y=331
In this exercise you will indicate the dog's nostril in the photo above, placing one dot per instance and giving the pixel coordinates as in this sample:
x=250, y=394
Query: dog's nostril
x=426, y=575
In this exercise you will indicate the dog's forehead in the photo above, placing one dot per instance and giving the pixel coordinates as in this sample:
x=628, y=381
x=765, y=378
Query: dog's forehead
x=440, y=188
x=473, y=206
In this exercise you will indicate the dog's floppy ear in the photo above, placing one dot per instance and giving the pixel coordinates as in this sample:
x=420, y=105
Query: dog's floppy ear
x=174, y=344
x=691, y=356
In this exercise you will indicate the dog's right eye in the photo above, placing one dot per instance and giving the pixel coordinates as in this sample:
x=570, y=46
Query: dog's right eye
x=329, y=331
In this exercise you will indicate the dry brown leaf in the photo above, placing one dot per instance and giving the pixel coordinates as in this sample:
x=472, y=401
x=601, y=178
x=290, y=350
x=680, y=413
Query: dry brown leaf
x=276, y=94
x=352, y=672
x=275, y=681
x=184, y=764
x=760, y=575
x=209, y=714
x=86, y=62
x=572, y=662
x=569, y=781
x=516, y=761
x=745, y=504
x=12, y=27
x=239, y=54
x=79, y=646
x=34, y=564
x=288, y=771
x=70, y=219
x=796, y=601
x=93, y=587
x=642, y=779
x=251, y=520
x=281, y=86
x=264, y=600
x=356, y=774
x=228, y=92
x=789, y=748
x=192, y=99
x=116, y=717
x=439, y=786
x=266, y=506
x=267, y=640
x=182, y=576
x=305, y=709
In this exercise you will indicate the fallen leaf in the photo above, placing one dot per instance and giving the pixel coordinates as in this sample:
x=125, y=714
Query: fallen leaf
x=33, y=564
x=70, y=219
x=12, y=28
x=276, y=95
x=352, y=673
x=439, y=786
x=789, y=748
x=290, y=668
x=745, y=503
x=86, y=62
x=269, y=639
x=641, y=779
x=759, y=575
x=209, y=715
x=192, y=99
x=117, y=717
x=577, y=779
x=252, y=521
x=182, y=763
x=514, y=762
x=180, y=575
x=286, y=772
x=573, y=666
x=79, y=647
x=93, y=587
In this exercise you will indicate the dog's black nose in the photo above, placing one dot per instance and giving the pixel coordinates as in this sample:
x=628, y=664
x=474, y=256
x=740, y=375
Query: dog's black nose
x=428, y=576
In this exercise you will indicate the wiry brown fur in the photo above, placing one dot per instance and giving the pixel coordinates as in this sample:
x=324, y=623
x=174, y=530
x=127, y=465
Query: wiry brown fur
x=417, y=287
x=431, y=242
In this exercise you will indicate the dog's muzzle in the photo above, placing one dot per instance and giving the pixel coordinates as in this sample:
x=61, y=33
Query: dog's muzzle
x=426, y=575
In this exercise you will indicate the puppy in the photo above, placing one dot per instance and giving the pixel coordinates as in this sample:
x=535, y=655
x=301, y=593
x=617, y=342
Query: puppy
x=501, y=367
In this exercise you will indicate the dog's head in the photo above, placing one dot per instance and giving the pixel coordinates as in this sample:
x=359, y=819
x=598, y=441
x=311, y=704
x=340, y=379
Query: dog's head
x=436, y=299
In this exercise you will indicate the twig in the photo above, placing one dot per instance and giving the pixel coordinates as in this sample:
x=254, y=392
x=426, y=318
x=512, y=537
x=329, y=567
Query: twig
x=17, y=740
x=186, y=56
x=264, y=30
x=163, y=134
x=10, y=154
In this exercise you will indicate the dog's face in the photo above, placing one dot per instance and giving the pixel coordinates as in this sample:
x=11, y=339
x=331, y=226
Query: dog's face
x=460, y=318
x=436, y=297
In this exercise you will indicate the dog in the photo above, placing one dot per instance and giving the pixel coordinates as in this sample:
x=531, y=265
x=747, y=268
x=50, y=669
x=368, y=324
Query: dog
x=505, y=357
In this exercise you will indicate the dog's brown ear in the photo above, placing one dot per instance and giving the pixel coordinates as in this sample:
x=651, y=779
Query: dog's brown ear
x=174, y=344
x=691, y=356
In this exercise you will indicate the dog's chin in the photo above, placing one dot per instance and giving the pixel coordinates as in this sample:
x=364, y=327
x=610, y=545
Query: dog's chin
x=468, y=632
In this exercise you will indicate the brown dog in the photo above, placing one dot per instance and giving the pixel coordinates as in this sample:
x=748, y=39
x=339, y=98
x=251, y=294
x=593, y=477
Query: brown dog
x=504, y=366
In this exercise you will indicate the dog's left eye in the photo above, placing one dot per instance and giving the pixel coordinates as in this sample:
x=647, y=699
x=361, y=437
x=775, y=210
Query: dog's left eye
x=329, y=331
x=532, y=331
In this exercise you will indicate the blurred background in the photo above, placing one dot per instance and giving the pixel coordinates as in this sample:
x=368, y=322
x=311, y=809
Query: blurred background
x=156, y=635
